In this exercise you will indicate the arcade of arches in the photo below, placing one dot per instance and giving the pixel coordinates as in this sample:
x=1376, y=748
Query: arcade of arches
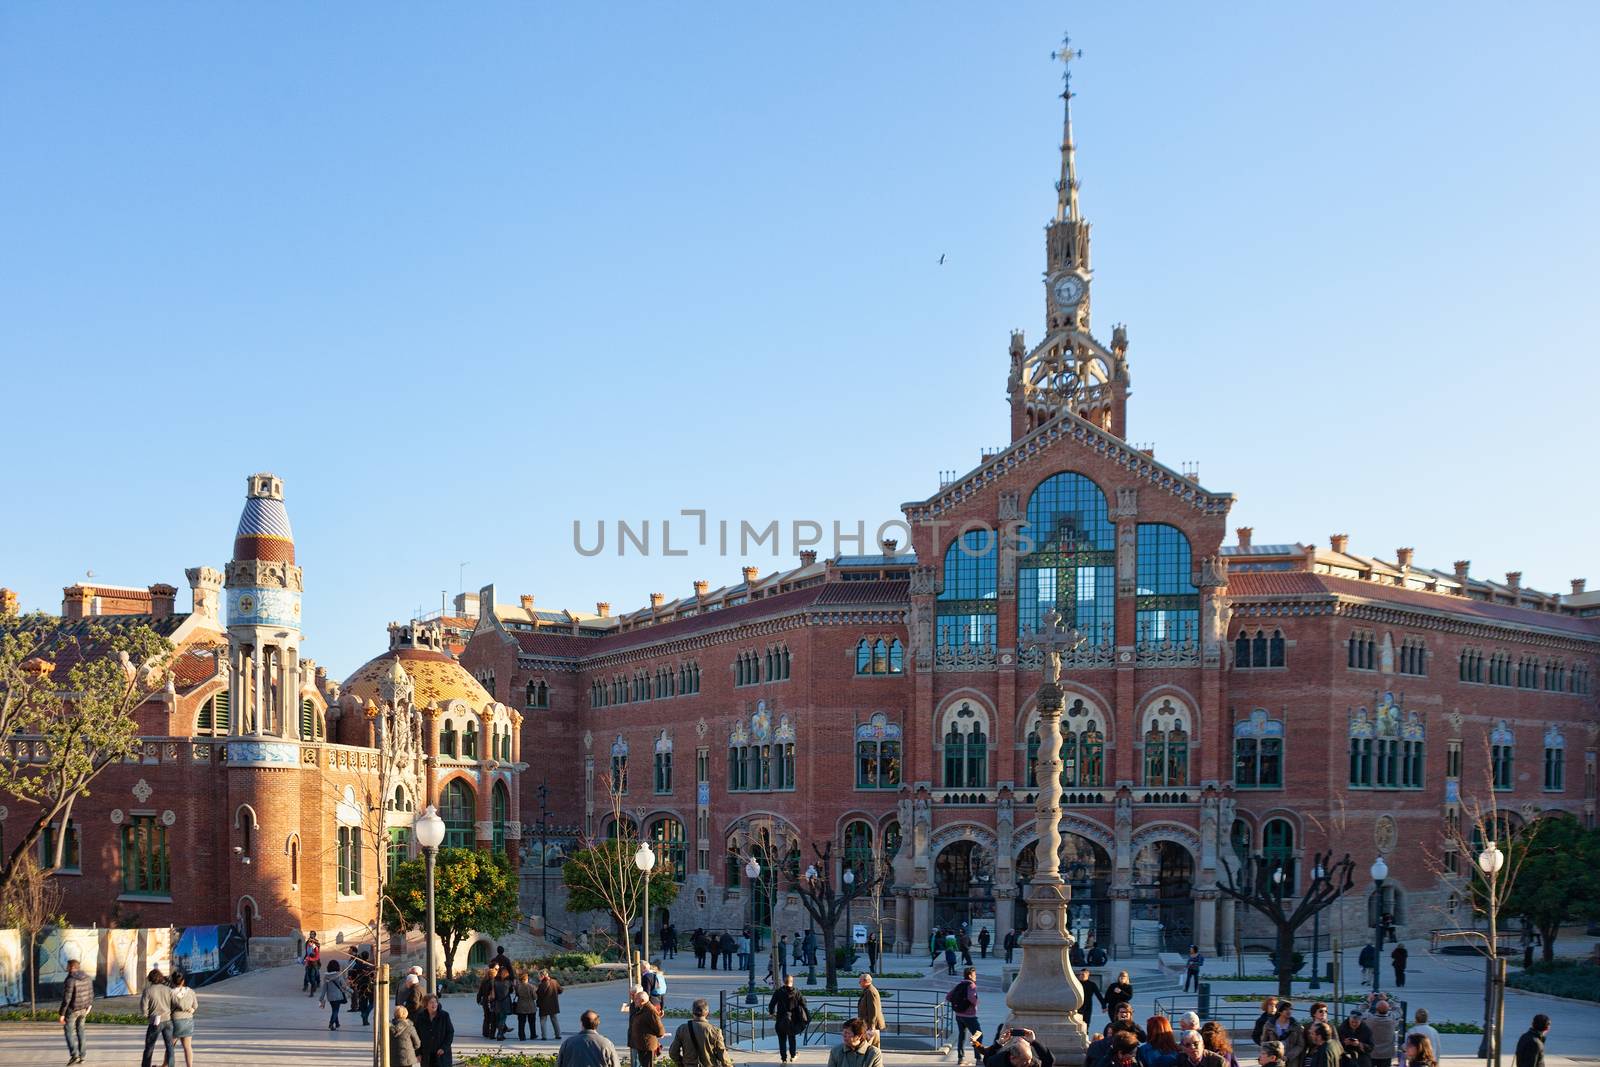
x=1159, y=900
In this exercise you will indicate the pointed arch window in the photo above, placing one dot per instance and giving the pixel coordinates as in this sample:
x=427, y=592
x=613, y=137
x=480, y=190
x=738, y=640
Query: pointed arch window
x=1555, y=760
x=858, y=849
x=1502, y=746
x=1277, y=845
x=966, y=751
x=1166, y=748
x=619, y=765
x=663, y=764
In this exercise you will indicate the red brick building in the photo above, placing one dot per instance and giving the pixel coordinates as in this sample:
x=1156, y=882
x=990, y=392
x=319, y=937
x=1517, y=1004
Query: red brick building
x=263, y=793
x=1226, y=699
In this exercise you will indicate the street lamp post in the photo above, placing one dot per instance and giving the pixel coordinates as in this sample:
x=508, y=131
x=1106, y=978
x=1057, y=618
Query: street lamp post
x=752, y=871
x=544, y=857
x=1490, y=860
x=645, y=860
x=1380, y=871
x=429, y=829
x=849, y=879
x=811, y=955
x=1316, y=931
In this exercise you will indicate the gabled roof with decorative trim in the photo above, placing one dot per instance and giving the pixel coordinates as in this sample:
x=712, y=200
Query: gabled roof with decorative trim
x=1026, y=451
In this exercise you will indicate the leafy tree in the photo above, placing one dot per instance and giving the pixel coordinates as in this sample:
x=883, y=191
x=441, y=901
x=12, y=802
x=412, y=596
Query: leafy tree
x=475, y=891
x=1556, y=883
x=68, y=693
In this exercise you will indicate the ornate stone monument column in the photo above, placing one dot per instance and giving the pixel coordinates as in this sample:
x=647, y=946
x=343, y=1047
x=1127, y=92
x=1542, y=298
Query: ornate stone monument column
x=1046, y=996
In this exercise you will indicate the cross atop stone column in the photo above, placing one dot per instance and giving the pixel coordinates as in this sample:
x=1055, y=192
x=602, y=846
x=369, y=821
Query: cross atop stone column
x=1046, y=996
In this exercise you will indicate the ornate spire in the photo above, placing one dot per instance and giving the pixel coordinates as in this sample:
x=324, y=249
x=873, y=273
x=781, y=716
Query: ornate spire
x=1067, y=187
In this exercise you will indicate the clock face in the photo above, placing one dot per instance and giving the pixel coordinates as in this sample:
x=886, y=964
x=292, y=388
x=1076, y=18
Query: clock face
x=1069, y=290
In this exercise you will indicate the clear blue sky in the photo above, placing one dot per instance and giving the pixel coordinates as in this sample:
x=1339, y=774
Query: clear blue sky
x=464, y=273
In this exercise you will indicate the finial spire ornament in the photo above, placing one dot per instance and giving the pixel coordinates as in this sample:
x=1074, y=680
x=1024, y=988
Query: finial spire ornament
x=1067, y=187
x=1053, y=639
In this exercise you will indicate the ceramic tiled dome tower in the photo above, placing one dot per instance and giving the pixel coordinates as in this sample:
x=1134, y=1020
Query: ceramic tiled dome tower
x=263, y=592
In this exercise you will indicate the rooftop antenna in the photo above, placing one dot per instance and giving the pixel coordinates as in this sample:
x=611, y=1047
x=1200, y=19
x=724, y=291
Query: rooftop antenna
x=461, y=577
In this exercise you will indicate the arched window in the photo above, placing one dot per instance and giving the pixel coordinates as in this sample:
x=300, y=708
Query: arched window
x=1555, y=759
x=864, y=656
x=878, y=753
x=458, y=807
x=1166, y=748
x=761, y=754
x=1277, y=846
x=308, y=720
x=858, y=850
x=1167, y=605
x=1091, y=756
x=670, y=843
x=1033, y=757
x=245, y=820
x=1501, y=750
x=967, y=603
x=619, y=765
x=663, y=763
x=469, y=741
x=447, y=739
x=1067, y=558
x=478, y=955
x=500, y=813
x=966, y=750
x=1258, y=752
x=71, y=852
x=538, y=695
x=294, y=860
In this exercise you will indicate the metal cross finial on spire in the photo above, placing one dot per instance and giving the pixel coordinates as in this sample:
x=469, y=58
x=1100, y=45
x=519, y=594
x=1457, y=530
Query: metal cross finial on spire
x=1067, y=187
x=1053, y=639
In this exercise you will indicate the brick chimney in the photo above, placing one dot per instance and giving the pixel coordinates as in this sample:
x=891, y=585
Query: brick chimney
x=1245, y=533
x=1514, y=579
x=526, y=600
x=1339, y=542
x=656, y=599
x=77, y=601
x=8, y=601
x=700, y=587
x=889, y=545
x=163, y=599
x=602, y=609
x=808, y=556
x=1403, y=557
x=1462, y=566
x=750, y=574
x=1577, y=587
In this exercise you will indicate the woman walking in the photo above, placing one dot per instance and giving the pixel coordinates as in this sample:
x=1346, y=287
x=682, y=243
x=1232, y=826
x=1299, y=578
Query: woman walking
x=184, y=1005
x=335, y=992
x=404, y=1042
x=500, y=1000
x=527, y=1008
x=438, y=1034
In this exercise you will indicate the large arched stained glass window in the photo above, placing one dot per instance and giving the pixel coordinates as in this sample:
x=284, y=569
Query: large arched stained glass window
x=967, y=599
x=1167, y=605
x=1067, y=558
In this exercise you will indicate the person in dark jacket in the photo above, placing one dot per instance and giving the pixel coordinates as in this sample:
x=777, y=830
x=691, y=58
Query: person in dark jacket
x=1398, y=958
x=1017, y=1048
x=500, y=999
x=1530, y=1046
x=697, y=941
x=485, y=1000
x=526, y=1007
x=404, y=1042
x=438, y=1034
x=1091, y=993
x=1118, y=992
x=963, y=1001
x=644, y=1028
x=548, y=996
x=1191, y=968
x=790, y=1017
x=1321, y=1048
x=728, y=946
x=77, y=997
x=1355, y=1041
x=983, y=942
x=1010, y=944
x=1269, y=1011
x=1368, y=960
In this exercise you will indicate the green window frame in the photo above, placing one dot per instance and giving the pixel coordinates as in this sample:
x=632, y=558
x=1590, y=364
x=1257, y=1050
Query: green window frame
x=146, y=863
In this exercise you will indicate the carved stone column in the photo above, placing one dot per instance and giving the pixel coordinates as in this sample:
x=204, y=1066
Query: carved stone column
x=1046, y=996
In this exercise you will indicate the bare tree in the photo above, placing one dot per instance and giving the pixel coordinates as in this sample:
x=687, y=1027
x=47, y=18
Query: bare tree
x=32, y=903
x=825, y=904
x=1258, y=889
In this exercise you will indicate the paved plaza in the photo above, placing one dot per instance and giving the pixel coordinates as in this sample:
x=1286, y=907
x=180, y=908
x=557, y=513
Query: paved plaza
x=263, y=1018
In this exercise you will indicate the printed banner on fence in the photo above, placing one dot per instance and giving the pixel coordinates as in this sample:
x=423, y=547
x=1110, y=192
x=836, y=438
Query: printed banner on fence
x=10, y=967
x=210, y=953
x=123, y=977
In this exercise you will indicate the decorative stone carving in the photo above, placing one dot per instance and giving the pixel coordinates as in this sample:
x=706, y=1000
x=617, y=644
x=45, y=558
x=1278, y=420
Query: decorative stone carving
x=701, y=727
x=922, y=635
x=1127, y=559
x=117, y=816
x=588, y=740
x=1385, y=834
x=964, y=658
x=483, y=830
x=1213, y=572
x=1010, y=506
x=1127, y=506
x=1122, y=815
x=1208, y=830
x=1455, y=720
x=922, y=581
x=169, y=817
x=142, y=790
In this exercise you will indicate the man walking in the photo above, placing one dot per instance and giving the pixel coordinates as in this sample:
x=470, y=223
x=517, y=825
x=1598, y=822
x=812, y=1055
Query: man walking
x=1530, y=1047
x=77, y=997
x=983, y=942
x=548, y=996
x=869, y=1008
x=1091, y=993
x=155, y=1003
x=311, y=956
x=1010, y=943
x=587, y=1048
x=697, y=1043
x=1398, y=958
x=963, y=1001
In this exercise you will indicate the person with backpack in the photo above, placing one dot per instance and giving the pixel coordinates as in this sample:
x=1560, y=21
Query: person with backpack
x=790, y=1017
x=963, y=1001
x=184, y=1005
x=335, y=993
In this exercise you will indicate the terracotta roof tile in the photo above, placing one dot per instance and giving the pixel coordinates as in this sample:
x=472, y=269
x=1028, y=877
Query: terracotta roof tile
x=884, y=592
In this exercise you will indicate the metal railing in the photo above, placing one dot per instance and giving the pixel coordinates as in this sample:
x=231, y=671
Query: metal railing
x=913, y=1018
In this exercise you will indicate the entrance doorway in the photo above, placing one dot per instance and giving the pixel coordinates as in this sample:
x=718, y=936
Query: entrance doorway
x=1163, y=898
x=963, y=889
x=1086, y=868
